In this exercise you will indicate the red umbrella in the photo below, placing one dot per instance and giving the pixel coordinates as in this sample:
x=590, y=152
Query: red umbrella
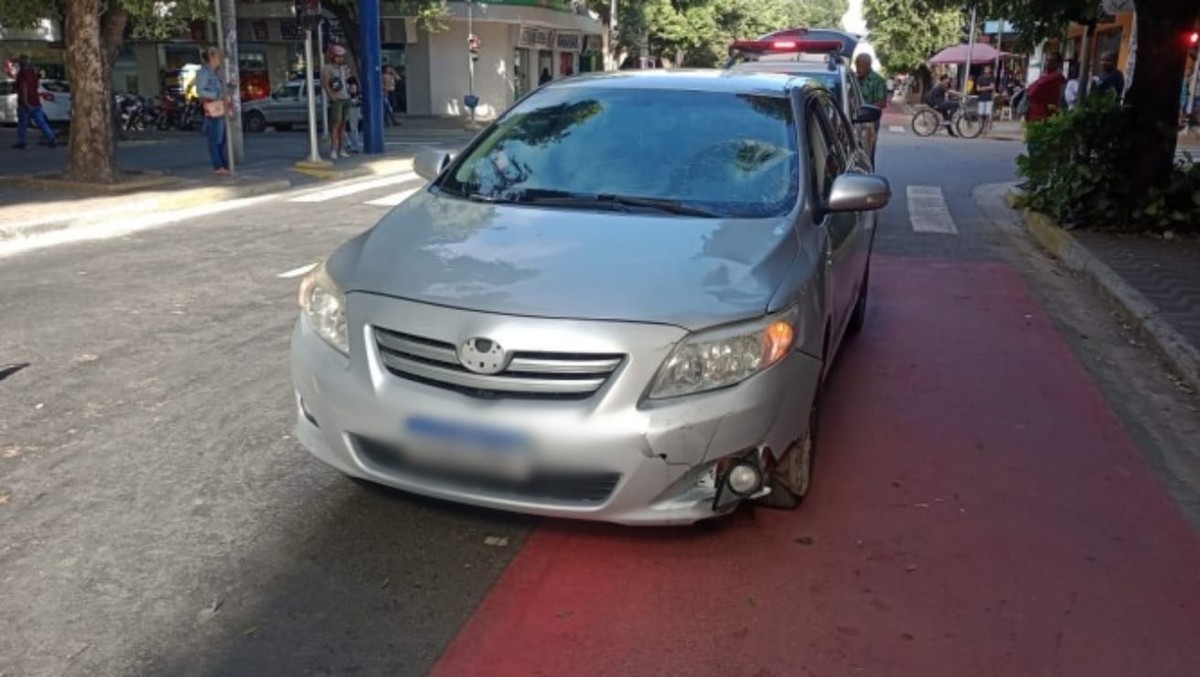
x=982, y=53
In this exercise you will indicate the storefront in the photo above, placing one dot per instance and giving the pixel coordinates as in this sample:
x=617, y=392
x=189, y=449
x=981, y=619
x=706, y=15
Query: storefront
x=521, y=42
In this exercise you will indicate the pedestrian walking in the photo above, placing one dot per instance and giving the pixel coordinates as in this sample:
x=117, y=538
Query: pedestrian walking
x=545, y=77
x=874, y=91
x=29, y=103
x=1046, y=93
x=985, y=86
x=1110, y=78
x=1071, y=91
x=211, y=91
x=390, y=79
x=354, y=122
x=333, y=80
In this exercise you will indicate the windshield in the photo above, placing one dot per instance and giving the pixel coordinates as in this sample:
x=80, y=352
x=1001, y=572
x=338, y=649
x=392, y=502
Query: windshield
x=719, y=153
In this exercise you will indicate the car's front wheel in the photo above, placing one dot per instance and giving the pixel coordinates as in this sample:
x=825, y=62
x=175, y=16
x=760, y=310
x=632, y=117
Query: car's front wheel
x=792, y=477
x=255, y=122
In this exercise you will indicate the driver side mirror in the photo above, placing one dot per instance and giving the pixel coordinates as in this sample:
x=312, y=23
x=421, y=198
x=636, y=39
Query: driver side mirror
x=868, y=115
x=859, y=193
x=429, y=164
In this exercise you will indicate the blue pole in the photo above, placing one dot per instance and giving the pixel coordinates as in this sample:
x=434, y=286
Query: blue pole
x=372, y=76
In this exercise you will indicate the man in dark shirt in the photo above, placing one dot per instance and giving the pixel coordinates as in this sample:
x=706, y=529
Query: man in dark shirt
x=1110, y=79
x=29, y=104
x=985, y=87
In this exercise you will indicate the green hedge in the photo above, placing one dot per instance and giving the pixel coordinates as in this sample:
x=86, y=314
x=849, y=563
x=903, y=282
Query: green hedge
x=1076, y=173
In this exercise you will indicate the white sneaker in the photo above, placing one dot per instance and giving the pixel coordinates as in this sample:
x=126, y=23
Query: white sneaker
x=345, y=155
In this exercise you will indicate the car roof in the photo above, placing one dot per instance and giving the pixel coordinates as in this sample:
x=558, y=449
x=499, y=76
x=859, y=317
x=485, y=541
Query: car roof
x=702, y=80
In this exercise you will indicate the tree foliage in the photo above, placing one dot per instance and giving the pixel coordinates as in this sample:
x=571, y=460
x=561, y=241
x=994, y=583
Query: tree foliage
x=905, y=33
x=700, y=30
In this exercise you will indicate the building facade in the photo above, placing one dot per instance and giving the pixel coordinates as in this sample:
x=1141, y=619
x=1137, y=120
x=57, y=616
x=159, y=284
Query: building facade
x=518, y=40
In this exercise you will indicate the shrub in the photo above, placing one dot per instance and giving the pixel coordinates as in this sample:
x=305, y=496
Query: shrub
x=1076, y=174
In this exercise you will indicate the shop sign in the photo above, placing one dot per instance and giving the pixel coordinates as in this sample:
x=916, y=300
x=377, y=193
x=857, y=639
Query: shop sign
x=535, y=37
x=568, y=41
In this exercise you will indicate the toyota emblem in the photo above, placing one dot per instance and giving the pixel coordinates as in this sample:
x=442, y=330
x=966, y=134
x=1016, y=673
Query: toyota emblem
x=483, y=356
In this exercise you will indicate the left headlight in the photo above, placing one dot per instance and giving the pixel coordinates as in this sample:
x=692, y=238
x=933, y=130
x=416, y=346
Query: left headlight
x=727, y=356
x=324, y=306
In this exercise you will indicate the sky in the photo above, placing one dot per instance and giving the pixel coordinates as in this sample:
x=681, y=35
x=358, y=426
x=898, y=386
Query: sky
x=853, y=19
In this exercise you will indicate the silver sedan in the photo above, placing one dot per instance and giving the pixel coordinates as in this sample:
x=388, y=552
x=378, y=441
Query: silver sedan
x=618, y=303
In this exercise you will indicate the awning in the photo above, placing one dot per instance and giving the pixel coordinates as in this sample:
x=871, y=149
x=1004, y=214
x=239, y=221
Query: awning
x=982, y=53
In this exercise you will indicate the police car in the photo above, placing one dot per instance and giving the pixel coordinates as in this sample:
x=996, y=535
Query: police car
x=822, y=55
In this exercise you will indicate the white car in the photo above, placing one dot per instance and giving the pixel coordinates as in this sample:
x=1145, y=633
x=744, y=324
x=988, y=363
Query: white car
x=55, y=95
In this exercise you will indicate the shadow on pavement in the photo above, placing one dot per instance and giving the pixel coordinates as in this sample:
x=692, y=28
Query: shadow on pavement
x=379, y=585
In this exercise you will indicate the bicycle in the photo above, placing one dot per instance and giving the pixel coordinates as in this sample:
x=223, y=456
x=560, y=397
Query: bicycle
x=966, y=121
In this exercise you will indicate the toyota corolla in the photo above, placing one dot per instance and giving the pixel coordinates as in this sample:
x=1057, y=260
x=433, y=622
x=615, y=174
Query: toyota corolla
x=618, y=303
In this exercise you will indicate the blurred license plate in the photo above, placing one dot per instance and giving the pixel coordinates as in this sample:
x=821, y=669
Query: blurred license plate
x=467, y=447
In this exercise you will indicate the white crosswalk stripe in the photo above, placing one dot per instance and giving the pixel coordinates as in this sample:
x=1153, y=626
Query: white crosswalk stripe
x=928, y=212
x=395, y=198
x=354, y=188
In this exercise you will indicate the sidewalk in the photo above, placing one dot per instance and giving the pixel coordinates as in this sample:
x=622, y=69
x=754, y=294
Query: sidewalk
x=1154, y=280
x=175, y=164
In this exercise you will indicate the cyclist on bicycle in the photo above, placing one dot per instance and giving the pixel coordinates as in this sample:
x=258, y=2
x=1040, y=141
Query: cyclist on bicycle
x=941, y=98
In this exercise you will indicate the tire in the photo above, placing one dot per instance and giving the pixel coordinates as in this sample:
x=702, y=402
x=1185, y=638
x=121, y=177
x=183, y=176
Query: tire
x=969, y=125
x=792, y=478
x=255, y=122
x=859, y=319
x=926, y=123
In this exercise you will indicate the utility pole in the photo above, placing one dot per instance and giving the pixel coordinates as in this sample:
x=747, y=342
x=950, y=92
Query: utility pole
x=226, y=14
x=371, y=83
x=321, y=69
x=999, y=48
x=970, y=52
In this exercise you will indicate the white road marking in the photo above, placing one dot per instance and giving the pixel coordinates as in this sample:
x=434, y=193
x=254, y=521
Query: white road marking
x=928, y=211
x=351, y=189
x=897, y=129
x=297, y=272
x=395, y=198
x=124, y=226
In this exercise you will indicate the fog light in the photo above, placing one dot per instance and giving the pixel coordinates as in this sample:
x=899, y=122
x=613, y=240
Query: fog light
x=744, y=479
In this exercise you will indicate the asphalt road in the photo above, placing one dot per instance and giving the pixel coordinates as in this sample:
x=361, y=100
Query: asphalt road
x=1006, y=487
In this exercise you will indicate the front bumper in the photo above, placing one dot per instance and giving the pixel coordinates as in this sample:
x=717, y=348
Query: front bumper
x=653, y=456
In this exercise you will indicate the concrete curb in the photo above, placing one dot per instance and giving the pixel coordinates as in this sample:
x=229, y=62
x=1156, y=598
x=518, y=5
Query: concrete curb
x=1179, y=352
x=138, y=181
x=332, y=171
x=166, y=201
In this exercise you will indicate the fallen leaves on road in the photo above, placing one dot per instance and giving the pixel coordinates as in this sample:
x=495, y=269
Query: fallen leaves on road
x=85, y=358
x=4, y=498
x=496, y=541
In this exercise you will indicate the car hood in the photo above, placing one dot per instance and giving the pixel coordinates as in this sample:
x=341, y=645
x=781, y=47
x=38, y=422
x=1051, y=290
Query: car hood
x=560, y=263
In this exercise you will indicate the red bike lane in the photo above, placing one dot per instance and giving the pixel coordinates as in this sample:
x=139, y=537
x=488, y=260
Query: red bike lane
x=978, y=510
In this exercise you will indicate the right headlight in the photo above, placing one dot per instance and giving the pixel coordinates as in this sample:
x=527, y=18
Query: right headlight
x=324, y=306
x=727, y=356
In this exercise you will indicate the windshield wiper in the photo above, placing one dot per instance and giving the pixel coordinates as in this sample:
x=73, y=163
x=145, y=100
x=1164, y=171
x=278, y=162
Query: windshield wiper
x=661, y=204
x=562, y=198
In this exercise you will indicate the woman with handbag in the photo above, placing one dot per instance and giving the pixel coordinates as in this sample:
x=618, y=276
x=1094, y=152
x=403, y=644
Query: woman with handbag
x=212, y=94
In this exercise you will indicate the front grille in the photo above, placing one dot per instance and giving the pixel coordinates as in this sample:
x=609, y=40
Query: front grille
x=587, y=488
x=529, y=375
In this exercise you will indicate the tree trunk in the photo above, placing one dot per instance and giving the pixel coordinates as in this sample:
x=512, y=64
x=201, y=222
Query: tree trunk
x=92, y=153
x=1154, y=96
